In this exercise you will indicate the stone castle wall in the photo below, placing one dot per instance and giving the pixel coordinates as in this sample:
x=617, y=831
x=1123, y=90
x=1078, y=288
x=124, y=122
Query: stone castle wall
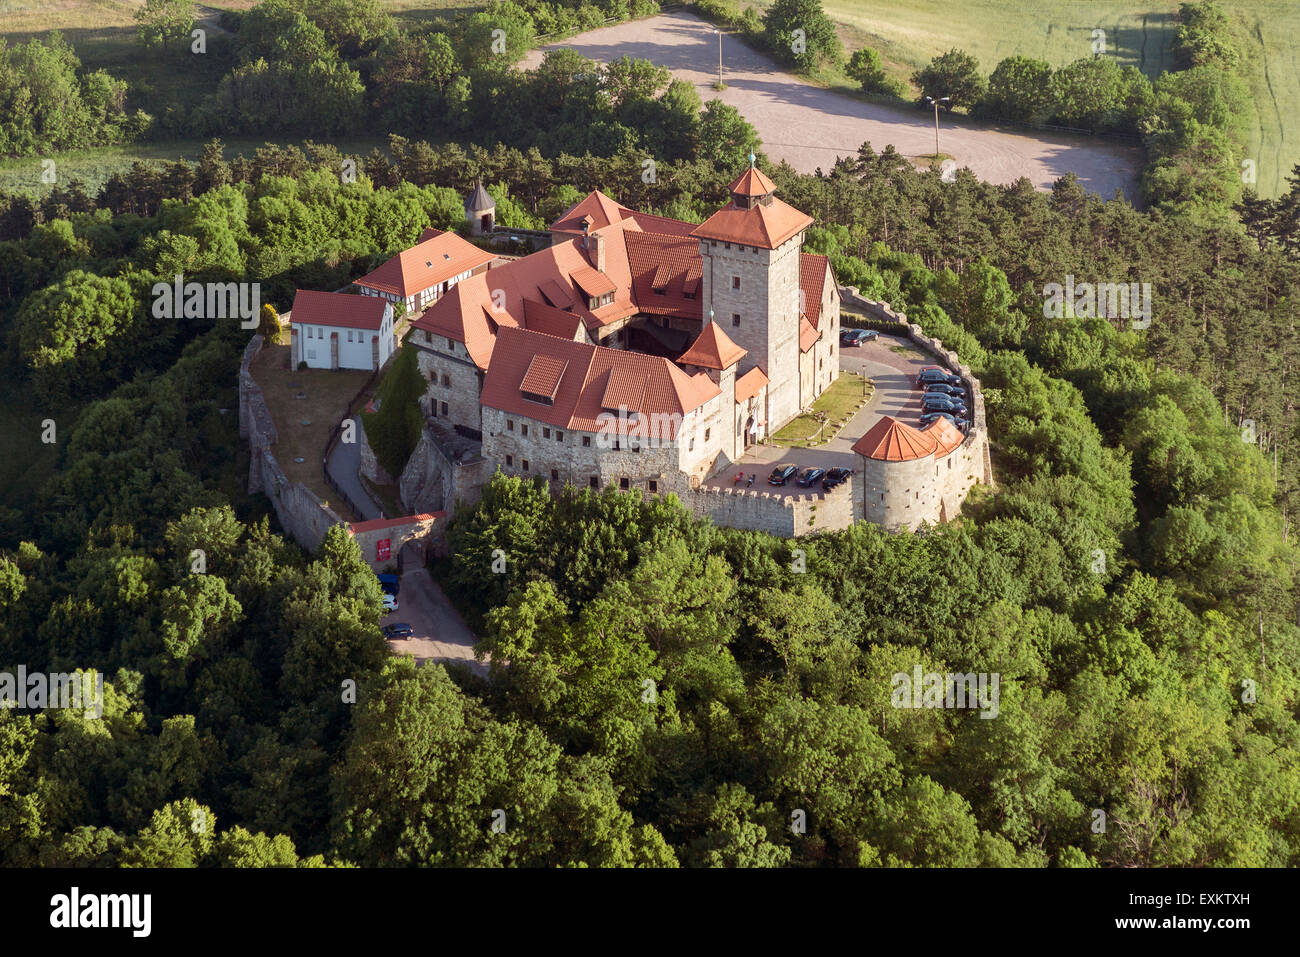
x=774, y=512
x=436, y=478
x=302, y=515
x=905, y=494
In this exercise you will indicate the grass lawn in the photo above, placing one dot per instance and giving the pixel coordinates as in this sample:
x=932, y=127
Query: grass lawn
x=844, y=397
x=908, y=33
x=304, y=425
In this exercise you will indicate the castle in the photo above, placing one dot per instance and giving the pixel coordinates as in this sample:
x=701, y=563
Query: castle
x=642, y=352
x=635, y=351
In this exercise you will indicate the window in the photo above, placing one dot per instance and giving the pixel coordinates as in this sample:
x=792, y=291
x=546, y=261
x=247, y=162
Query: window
x=510, y=460
x=691, y=448
x=433, y=377
x=349, y=335
x=428, y=336
x=546, y=433
x=706, y=434
x=510, y=425
x=446, y=379
x=559, y=436
x=523, y=429
x=595, y=483
x=525, y=465
x=586, y=441
x=451, y=344
x=444, y=408
x=623, y=484
x=726, y=245
x=555, y=475
x=653, y=486
x=735, y=318
x=735, y=282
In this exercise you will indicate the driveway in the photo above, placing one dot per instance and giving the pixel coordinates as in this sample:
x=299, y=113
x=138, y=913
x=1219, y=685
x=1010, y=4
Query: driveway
x=891, y=373
x=441, y=635
x=343, y=465
x=810, y=127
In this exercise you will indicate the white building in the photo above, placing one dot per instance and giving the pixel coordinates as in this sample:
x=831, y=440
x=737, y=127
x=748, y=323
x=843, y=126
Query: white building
x=332, y=330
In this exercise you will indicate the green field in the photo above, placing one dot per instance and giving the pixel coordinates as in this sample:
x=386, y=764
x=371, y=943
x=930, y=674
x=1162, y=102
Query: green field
x=909, y=32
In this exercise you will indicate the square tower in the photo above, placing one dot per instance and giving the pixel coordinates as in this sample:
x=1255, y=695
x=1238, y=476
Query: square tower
x=750, y=256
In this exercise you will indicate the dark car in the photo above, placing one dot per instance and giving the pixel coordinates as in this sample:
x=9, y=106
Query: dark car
x=810, y=477
x=932, y=416
x=834, y=477
x=855, y=337
x=939, y=380
x=943, y=388
x=782, y=474
x=938, y=403
x=390, y=583
x=399, y=630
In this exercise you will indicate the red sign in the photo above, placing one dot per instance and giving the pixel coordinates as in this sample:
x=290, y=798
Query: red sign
x=383, y=548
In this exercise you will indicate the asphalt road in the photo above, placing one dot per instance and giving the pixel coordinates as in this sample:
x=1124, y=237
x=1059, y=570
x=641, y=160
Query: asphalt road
x=810, y=127
x=441, y=635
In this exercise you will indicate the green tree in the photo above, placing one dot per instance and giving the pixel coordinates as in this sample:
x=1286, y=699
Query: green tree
x=954, y=74
x=165, y=22
x=799, y=32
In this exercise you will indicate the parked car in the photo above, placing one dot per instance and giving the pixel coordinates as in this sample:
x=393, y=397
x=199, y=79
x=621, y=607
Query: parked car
x=399, y=630
x=938, y=403
x=390, y=583
x=810, y=477
x=855, y=337
x=943, y=388
x=932, y=416
x=934, y=398
x=931, y=376
x=834, y=477
x=390, y=603
x=782, y=474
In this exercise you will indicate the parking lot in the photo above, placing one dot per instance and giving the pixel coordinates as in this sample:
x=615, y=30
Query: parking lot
x=891, y=372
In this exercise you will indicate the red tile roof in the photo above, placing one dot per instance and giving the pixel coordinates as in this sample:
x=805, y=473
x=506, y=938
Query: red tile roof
x=812, y=283
x=435, y=259
x=377, y=524
x=592, y=382
x=766, y=226
x=666, y=271
x=946, y=436
x=592, y=281
x=752, y=182
x=543, y=375
x=337, y=309
x=554, y=322
x=750, y=384
x=602, y=211
x=892, y=441
x=712, y=349
x=808, y=334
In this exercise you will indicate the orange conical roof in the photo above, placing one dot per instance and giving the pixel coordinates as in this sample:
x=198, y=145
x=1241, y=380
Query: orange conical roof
x=892, y=441
x=712, y=349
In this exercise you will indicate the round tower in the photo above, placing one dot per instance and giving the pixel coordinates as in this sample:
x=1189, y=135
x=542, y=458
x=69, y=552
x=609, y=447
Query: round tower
x=480, y=210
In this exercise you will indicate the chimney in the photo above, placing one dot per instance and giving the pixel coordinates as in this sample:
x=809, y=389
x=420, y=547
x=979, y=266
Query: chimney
x=597, y=249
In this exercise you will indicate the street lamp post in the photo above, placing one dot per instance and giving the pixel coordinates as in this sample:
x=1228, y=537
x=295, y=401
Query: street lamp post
x=935, y=103
x=719, y=33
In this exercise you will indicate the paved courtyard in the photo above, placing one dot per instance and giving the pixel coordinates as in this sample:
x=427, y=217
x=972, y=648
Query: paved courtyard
x=890, y=372
x=810, y=127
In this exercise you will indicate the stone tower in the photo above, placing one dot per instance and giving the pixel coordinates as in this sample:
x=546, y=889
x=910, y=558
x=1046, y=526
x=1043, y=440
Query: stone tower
x=480, y=210
x=750, y=251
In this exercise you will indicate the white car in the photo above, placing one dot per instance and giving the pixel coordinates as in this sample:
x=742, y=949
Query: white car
x=390, y=603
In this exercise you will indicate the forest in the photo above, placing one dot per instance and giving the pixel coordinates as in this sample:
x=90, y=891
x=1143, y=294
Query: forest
x=677, y=694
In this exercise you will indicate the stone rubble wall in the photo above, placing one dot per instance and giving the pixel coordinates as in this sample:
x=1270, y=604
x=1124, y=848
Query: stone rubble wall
x=302, y=515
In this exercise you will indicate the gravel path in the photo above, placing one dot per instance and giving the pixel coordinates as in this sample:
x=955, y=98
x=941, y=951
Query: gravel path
x=809, y=127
